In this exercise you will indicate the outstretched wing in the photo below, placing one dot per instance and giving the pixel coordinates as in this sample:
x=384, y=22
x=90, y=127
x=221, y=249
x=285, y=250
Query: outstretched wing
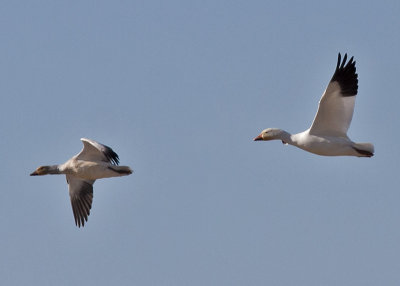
x=336, y=105
x=94, y=151
x=81, y=195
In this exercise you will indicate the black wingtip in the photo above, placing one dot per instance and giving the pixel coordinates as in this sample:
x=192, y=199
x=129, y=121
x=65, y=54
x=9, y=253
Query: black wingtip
x=339, y=59
x=345, y=74
x=344, y=61
x=111, y=155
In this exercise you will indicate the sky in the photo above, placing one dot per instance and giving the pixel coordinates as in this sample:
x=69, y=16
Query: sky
x=179, y=89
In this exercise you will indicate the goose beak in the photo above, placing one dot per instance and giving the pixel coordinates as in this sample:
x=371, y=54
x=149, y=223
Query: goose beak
x=258, y=138
x=34, y=174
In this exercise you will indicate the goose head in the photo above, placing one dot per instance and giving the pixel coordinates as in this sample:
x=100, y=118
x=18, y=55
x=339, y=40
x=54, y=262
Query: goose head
x=270, y=134
x=44, y=170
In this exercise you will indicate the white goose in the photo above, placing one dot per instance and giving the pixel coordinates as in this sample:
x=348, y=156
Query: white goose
x=95, y=161
x=327, y=135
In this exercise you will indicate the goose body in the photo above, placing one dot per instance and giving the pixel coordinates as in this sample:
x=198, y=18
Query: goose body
x=95, y=161
x=327, y=135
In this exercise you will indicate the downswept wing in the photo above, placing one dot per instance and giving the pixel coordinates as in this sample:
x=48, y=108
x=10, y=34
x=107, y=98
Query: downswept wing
x=94, y=151
x=81, y=195
x=336, y=105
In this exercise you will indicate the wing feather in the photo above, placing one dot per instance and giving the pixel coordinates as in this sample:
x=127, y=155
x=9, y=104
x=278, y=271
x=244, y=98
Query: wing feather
x=336, y=105
x=94, y=151
x=81, y=195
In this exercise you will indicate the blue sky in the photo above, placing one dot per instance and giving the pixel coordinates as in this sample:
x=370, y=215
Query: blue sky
x=179, y=89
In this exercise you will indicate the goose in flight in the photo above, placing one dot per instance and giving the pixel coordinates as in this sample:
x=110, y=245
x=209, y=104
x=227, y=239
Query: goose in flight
x=95, y=161
x=327, y=135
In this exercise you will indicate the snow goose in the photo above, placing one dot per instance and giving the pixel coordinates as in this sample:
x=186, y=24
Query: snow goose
x=327, y=135
x=95, y=161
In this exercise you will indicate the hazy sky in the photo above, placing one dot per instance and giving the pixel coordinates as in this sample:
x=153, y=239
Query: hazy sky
x=179, y=89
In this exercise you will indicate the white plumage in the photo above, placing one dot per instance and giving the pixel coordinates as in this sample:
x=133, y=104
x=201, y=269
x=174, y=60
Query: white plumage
x=327, y=135
x=95, y=161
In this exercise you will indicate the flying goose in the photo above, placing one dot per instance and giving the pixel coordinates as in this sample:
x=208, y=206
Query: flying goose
x=327, y=135
x=95, y=161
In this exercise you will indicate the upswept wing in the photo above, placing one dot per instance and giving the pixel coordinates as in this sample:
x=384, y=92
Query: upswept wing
x=94, y=151
x=336, y=105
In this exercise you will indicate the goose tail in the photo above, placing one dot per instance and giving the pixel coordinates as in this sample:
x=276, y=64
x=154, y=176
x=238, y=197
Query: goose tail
x=122, y=170
x=364, y=149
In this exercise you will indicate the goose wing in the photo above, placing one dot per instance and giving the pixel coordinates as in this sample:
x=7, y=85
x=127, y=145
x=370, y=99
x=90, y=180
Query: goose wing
x=81, y=195
x=336, y=105
x=94, y=151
